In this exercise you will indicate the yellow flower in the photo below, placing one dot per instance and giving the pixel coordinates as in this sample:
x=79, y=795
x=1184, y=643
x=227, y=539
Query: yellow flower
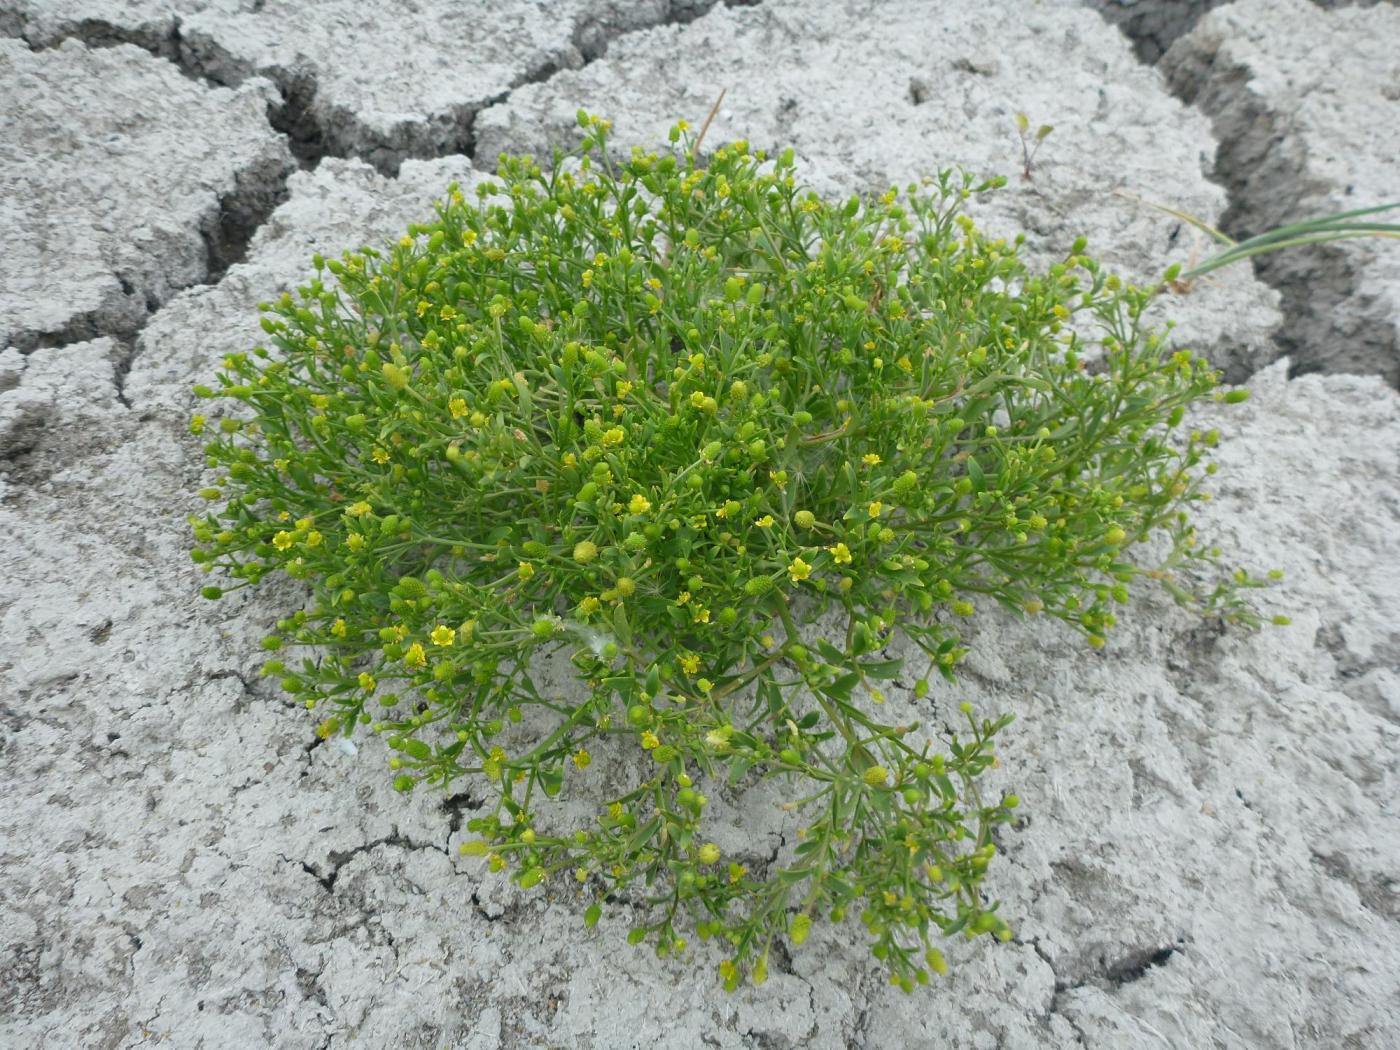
x=875, y=508
x=870, y=459
x=366, y=681
x=443, y=635
x=690, y=663
x=379, y=456
x=709, y=853
x=582, y=758
x=355, y=541
x=765, y=522
x=525, y=570
x=613, y=436
x=650, y=741
x=458, y=407
x=313, y=538
x=799, y=570
x=639, y=504
x=701, y=615
x=841, y=554
x=338, y=628
x=589, y=605
x=358, y=510
x=283, y=540
x=415, y=657
x=197, y=424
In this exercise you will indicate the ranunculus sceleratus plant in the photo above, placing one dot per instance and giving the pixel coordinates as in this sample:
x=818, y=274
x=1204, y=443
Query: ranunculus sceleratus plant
x=719, y=441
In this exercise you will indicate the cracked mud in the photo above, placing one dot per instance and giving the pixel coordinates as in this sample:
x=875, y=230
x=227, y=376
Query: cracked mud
x=1208, y=850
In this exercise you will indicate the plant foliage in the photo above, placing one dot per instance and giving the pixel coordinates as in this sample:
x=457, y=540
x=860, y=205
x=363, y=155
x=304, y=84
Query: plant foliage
x=730, y=449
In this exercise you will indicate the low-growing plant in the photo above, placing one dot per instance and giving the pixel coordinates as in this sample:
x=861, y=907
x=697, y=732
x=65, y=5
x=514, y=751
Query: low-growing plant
x=722, y=443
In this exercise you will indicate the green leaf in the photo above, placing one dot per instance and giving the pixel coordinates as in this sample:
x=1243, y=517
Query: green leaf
x=883, y=669
x=841, y=688
x=551, y=780
x=644, y=835
x=621, y=626
x=974, y=471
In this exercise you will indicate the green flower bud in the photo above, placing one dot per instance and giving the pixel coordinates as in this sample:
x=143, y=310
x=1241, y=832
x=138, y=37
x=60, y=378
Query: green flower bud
x=394, y=375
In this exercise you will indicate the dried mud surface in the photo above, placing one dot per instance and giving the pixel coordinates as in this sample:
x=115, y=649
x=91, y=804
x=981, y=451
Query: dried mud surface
x=1209, y=844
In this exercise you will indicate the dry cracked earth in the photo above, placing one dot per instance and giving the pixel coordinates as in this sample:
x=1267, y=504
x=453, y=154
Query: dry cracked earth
x=1210, y=849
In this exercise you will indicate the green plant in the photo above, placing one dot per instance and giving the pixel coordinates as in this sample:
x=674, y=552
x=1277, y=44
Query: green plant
x=1323, y=229
x=1030, y=144
x=722, y=444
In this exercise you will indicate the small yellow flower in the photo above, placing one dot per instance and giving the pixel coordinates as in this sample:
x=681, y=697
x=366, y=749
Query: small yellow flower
x=719, y=738
x=639, y=504
x=458, y=407
x=841, y=554
x=283, y=540
x=358, y=510
x=313, y=538
x=415, y=657
x=338, y=628
x=701, y=615
x=367, y=681
x=443, y=635
x=870, y=459
x=709, y=853
x=875, y=508
x=355, y=541
x=197, y=424
x=650, y=740
x=799, y=570
x=589, y=605
x=379, y=456
x=765, y=522
x=613, y=436
x=690, y=663
x=525, y=570
x=582, y=758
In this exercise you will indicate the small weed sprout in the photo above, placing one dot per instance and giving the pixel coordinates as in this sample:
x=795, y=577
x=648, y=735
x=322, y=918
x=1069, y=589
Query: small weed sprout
x=720, y=443
x=1030, y=144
